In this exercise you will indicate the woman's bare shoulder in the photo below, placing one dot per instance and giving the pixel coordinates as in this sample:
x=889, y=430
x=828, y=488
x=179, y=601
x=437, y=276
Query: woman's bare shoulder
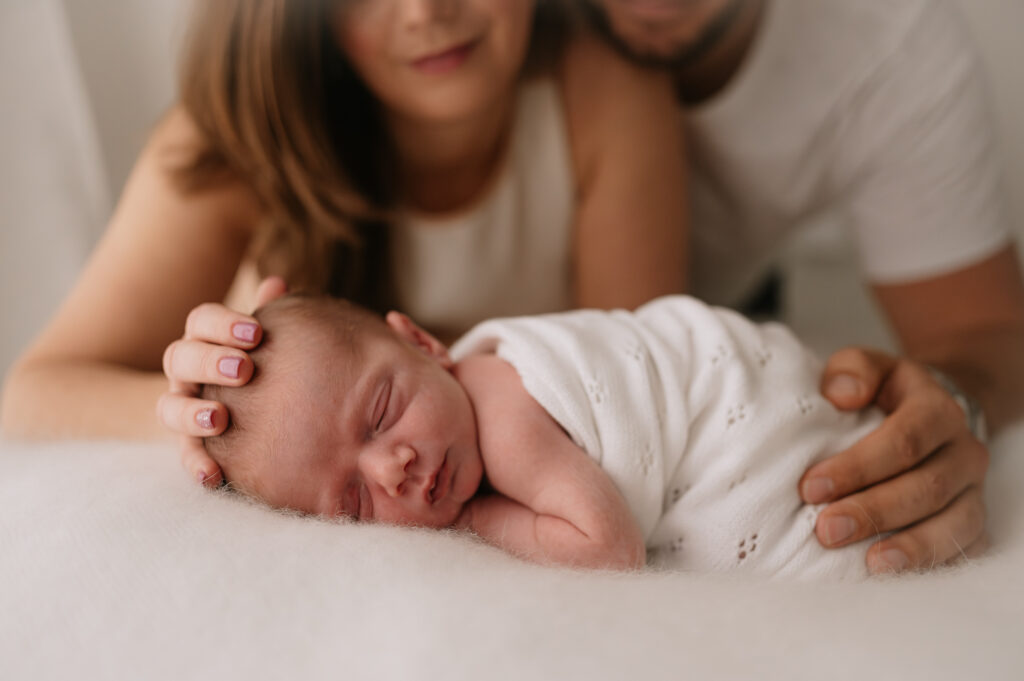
x=604, y=95
x=173, y=143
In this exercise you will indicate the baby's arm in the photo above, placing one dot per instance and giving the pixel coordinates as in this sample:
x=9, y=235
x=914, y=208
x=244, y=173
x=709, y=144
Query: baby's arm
x=554, y=503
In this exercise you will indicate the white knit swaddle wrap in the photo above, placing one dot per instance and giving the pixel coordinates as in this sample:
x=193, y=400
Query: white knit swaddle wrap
x=704, y=421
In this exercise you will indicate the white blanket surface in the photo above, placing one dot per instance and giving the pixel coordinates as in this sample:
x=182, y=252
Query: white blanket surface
x=113, y=564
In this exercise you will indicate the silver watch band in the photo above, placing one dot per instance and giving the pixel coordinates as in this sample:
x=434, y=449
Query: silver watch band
x=972, y=409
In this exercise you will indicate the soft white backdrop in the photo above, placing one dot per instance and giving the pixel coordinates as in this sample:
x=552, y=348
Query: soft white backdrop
x=82, y=82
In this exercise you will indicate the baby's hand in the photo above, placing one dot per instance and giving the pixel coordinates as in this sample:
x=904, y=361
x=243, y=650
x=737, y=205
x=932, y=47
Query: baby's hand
x=210, y=352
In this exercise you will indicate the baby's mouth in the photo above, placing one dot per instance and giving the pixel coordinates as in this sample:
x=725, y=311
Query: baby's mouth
x=439, y=482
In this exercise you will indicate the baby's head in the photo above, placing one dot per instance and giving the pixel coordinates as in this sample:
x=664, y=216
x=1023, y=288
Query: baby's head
x=349, y=414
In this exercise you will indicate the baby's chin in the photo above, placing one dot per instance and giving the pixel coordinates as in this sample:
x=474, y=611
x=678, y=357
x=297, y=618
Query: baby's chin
x=438, y=518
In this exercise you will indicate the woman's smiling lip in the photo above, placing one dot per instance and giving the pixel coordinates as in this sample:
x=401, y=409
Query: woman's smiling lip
x=445, y=61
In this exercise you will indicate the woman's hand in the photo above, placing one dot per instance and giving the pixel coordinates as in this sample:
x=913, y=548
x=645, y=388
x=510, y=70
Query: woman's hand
x=211, y=351
x=920, y=474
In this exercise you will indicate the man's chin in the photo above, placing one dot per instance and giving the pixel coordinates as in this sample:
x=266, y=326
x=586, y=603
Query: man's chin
x=637, y=50
x=651, y=57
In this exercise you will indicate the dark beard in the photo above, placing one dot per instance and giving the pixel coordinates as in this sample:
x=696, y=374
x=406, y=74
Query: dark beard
x=686, y=57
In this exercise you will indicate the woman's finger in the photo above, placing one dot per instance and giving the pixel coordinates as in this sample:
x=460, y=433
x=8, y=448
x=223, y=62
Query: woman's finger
x=215, y=323
x=853, y=376
x=906, y=499
x=940, y=539
x=191, y=416
x=270, y=289
x=191, y=361
x=198, y=463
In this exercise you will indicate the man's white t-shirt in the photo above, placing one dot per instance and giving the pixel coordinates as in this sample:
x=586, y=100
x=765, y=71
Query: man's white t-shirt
x=872, y=112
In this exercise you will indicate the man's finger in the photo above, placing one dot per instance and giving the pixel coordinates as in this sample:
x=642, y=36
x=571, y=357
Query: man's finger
x=902, y=501
x=853, y=376
x=908, y=436
x=975, y=550
x=939, y=539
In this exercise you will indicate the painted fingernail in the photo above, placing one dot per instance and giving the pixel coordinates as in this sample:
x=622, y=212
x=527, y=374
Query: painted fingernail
x=838, y=528
x=818, y=490
x=244, y=331
x=204, y=417
x=843, y=387
x=890, y=560
x=228, y=366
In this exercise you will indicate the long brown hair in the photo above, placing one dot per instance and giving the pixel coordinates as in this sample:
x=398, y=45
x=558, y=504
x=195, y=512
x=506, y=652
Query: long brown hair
x=278, y=107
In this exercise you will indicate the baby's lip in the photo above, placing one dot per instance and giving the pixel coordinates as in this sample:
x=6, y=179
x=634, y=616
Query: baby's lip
x=439, y=481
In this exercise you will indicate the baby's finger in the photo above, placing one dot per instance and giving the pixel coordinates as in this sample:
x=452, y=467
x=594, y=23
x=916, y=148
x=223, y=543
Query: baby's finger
x=853, y=376
x=938, y=540
x=190, y=361
x=198, y=463
x=903, y=500
x=215, y=323
x=191, y=416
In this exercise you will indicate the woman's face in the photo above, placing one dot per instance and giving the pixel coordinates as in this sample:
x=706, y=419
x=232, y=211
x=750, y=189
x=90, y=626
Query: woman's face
x=436, y=60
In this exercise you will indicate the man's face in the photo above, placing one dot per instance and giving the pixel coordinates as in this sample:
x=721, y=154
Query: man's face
x=658, y=32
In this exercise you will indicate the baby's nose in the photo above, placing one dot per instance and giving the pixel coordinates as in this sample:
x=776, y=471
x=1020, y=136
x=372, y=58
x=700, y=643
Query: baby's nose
x=390, y=468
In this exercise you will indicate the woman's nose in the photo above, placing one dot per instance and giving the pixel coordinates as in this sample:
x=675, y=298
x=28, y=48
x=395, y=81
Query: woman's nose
x=421, y=13
x=389, y=467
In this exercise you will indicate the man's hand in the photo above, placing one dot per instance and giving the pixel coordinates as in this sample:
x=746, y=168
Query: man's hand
x=920, y=474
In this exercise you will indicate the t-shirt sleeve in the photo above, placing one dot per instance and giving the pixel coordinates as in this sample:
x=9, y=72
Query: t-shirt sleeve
x=921, y=177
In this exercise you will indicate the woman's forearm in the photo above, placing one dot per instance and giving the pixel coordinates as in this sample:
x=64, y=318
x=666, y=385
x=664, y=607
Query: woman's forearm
x=57, y=399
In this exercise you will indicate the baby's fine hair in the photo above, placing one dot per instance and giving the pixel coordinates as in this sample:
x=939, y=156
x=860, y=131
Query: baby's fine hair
x=293, y=326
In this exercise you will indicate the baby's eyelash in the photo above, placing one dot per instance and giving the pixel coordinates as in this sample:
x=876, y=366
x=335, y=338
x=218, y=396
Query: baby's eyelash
x=386, y=402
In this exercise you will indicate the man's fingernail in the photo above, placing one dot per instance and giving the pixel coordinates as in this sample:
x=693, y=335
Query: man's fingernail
x=890, y=560
x=818, y=490
x=843, y=387
x=204, y=417
x=838, y=528
x=244, y=331
x=228, y=366
x=201, y=476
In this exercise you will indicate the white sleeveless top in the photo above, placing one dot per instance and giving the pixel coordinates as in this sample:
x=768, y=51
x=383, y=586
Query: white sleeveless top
x=508, y=254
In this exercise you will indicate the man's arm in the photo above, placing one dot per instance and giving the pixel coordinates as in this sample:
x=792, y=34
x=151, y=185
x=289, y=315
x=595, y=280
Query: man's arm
x=554, y=504
x=918, y=170
x=970, y=325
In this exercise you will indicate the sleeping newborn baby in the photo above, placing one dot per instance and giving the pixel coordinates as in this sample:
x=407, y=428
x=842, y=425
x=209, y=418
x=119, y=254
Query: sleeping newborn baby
x=675, y=434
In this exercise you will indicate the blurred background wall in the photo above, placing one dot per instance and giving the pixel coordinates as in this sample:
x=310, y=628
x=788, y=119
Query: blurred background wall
x=83, y=81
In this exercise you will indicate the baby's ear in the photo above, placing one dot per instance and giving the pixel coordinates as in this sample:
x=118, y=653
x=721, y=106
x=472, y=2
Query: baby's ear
x=410, y=332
